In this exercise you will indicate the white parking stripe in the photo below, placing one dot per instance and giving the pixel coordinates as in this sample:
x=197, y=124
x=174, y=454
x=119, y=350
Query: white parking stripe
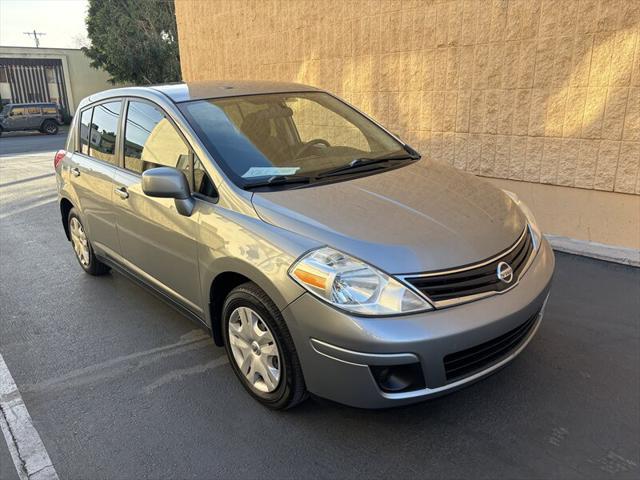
x=27, y=450
x=24, y=155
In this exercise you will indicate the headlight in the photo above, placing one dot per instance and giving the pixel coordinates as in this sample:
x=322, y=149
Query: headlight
x=536, y=234
x=353, y=285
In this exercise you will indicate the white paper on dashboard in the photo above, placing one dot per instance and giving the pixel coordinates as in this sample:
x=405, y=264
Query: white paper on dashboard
x=269, y=171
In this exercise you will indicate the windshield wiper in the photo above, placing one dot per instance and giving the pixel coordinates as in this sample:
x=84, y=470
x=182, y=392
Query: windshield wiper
x=277, y=180
x=362, y=164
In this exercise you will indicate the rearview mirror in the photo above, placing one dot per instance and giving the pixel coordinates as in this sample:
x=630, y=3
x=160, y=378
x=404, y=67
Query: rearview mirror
x=168, y=182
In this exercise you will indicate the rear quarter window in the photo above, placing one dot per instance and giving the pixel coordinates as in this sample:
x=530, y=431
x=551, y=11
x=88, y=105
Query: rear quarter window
x=85, y=130
x=104, y=126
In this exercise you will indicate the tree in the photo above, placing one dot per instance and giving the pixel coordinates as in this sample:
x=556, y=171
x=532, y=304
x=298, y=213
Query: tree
x=135, y=41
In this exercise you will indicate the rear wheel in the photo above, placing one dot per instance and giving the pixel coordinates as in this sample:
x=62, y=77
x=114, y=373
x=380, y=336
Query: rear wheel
x=82, y=247
x=50, y=127
x=260, y=348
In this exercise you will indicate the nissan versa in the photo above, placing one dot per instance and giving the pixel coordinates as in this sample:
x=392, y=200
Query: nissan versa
x=318, y=248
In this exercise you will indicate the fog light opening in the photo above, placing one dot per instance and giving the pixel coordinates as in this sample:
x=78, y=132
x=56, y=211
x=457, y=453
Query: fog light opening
x=399, y=378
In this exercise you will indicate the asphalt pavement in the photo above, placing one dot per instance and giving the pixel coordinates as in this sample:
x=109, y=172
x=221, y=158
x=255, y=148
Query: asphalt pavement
x=17, y=143
x=121, y=386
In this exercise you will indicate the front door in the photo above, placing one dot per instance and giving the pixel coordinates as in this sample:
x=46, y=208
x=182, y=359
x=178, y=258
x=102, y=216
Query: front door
x=156, y=241
x=17, y=119
x=92, y=174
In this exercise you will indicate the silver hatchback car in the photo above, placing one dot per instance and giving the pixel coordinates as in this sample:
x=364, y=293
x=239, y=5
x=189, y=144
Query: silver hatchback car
x=314, y=245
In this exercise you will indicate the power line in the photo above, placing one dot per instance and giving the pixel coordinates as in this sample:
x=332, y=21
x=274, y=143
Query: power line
x=35, y=36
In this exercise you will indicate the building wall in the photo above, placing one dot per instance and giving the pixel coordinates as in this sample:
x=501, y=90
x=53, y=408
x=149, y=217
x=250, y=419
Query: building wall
x=80, y=78
x=535, y=91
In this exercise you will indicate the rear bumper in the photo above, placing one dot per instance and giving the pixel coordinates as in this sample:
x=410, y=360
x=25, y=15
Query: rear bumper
x=337, y=350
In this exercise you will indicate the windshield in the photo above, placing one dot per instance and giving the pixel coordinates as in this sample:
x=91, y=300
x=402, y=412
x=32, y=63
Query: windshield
x=290, y=134
x=5, y=110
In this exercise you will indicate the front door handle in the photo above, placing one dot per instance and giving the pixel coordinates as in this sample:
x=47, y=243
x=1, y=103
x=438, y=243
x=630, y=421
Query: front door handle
x=122, y=192
x=75, y=171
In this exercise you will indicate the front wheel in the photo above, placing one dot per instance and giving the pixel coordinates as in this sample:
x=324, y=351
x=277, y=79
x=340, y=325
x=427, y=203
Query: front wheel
x=260, y=348
x=82, y=247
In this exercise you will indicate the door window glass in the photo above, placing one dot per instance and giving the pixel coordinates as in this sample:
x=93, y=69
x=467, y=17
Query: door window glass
x=49, y=110
x=201, y=182
x=34, y=111
x=17, y=112
x=85, y=128
x=152, y=141
x=103, y=131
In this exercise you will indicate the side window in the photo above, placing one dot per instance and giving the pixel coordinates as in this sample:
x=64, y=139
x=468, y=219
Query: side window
x=201, y=182
x=85, y=129
x=17, y=112
x=150, y=140
x=34, y=111
x=102, y=135
x=49, y=110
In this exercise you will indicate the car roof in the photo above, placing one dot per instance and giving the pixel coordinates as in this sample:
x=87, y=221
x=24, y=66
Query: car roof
x=187, y=91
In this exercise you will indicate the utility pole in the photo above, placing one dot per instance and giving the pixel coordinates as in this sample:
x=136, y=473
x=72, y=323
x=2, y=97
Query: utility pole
x=35, y=36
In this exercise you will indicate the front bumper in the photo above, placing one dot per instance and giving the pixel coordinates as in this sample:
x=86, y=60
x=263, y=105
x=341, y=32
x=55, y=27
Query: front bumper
x=337, y=350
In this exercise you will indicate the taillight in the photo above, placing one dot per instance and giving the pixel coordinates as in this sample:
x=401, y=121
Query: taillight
x=58, y=158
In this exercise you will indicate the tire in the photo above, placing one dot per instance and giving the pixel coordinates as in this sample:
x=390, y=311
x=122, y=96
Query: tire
x=85, y=256
x=290, y=389
x=49, y=127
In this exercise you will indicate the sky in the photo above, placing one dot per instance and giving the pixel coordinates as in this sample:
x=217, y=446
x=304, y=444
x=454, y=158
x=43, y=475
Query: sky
x=61, y=20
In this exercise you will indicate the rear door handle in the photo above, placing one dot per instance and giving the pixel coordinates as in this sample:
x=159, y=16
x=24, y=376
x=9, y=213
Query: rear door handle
x=122, y=192
x=75, y=171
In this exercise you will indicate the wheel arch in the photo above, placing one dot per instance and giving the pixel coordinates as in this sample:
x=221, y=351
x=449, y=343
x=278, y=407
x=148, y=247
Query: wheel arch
x=236, y=273
x=65, y=208
x=48, y=119
x=221, y=286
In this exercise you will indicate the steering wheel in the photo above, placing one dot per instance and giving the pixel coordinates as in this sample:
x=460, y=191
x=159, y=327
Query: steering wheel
x=311, y=143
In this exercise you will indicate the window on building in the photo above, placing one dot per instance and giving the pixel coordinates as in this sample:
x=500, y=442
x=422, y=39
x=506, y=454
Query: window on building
x=51, y=76
x=85, y=130
x=4, y=78
x=104, y=125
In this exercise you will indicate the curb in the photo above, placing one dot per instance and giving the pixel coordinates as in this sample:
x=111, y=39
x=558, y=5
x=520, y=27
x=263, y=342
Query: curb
x=609, y=253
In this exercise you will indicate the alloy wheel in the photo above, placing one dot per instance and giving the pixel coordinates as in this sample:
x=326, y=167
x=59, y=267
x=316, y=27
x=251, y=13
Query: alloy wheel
x=79, y=241
x=254, y=349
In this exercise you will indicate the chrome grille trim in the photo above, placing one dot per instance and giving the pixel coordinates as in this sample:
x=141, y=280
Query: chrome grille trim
x=444, y=303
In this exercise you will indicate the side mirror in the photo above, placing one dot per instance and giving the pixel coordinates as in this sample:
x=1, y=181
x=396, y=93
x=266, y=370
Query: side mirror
x=167, y=182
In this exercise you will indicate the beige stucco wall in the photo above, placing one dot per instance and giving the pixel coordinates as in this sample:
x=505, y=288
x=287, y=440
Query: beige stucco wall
x=535, y=91
x=81, y=79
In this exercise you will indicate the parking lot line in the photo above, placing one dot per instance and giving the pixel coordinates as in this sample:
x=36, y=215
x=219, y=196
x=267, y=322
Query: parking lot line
x=25, y=155
x=25, y=446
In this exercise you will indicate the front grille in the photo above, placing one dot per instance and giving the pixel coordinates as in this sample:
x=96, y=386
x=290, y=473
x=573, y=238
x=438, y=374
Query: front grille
x=466, y=362
x=474, y=280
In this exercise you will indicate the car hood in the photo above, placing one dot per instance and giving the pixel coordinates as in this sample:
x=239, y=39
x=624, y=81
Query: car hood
x=417, y=218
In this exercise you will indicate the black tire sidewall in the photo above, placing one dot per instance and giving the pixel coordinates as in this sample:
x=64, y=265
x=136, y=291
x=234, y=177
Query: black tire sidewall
x=241, y=297
x=48, y=123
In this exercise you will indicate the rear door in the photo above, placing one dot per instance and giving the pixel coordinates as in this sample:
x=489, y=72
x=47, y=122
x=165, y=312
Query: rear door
x=156, y=241
x=93, y=168
x=34, y=117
